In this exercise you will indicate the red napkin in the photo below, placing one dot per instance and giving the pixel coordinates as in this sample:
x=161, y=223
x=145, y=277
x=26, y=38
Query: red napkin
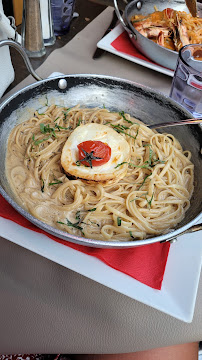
x=123, y=44
x=144, y=263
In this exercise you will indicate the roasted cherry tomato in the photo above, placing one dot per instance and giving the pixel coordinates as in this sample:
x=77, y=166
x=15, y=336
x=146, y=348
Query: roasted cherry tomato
x=93, y=153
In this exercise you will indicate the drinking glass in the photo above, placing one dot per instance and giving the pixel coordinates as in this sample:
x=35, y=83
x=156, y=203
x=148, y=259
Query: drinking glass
x=187, y=81
x=62, y=15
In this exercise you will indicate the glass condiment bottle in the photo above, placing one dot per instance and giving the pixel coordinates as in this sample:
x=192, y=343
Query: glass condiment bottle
x=47, y=22
x=32, y=38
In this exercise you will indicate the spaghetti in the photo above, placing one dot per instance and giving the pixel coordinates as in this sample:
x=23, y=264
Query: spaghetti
x=152, y=197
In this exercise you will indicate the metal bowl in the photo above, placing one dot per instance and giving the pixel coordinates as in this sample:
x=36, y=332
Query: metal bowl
x=158, y=54
x=94, y=90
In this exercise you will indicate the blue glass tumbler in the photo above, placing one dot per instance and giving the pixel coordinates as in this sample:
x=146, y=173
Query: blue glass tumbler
x=62, y=11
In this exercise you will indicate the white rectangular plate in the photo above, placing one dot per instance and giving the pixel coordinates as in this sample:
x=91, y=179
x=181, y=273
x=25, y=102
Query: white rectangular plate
x=105, y=44
x=177, y=296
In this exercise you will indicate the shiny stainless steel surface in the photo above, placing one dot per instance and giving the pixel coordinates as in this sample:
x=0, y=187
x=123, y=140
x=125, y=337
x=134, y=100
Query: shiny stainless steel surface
x=176, y=123
x=94, y=90
x=24, y=55
x=155, y=52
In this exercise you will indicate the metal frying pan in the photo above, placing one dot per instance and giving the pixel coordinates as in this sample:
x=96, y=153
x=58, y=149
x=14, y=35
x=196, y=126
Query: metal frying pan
x=96, y=90
x=153, y=51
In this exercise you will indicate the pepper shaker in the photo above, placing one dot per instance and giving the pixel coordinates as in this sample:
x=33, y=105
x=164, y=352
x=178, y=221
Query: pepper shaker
x=32, y=38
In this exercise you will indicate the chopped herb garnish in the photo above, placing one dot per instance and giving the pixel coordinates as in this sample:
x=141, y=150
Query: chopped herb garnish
x=37, y=142
x=55, y=183
x=149, y=201
x=92, y=209
x=122, y=113
x=61, y=127
x=74, y=225
x=138, y=197
x=118, y=221
x=124, y=162
x=144, y=181
x=65, y=113
x=131, y=235
x=120, y=130
x=56, y=118
x=145, y=166
x=121, y=127
x=79, y=123
x=152, y=161
x=93, y=222
x=89, y=157
x=43, y=185
x=47, y=129
x=157, y=161
x=78, y=163
x=150, y=155
x=137, y=132
x=78, y=216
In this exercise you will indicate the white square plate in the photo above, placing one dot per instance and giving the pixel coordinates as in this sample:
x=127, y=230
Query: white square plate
x=105, y=44
x=177, y=296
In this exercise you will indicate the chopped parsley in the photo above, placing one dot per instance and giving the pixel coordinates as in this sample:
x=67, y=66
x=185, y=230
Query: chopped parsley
x=118, y=221
x=43, y=185
x=79, y=123
x=144, y=181
x=56, y=182
x=66, y=113
x=138, y=197
x=148, y=164
x=62, y=128
x=124, y=162
x=47, y=129
x=122, y=114
x=137, y=132
x=74, y=225
x=149, y=201
x=131, y=235
x=37, y=142
x=119, y=129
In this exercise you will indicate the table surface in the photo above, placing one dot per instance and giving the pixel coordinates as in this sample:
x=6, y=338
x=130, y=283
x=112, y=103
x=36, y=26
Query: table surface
x=47, y=308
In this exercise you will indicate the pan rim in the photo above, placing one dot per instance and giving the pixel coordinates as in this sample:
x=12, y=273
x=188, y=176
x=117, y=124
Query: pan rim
x=81, y=240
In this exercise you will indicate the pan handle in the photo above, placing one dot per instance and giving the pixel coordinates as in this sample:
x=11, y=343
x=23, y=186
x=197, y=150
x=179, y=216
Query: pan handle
x=22, y=52
x=130, y=33
x=192, y=229
x=119, y=14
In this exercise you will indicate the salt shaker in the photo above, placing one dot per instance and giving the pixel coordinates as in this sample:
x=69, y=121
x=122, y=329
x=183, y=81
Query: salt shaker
x=47, y=22
x=32, y=38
